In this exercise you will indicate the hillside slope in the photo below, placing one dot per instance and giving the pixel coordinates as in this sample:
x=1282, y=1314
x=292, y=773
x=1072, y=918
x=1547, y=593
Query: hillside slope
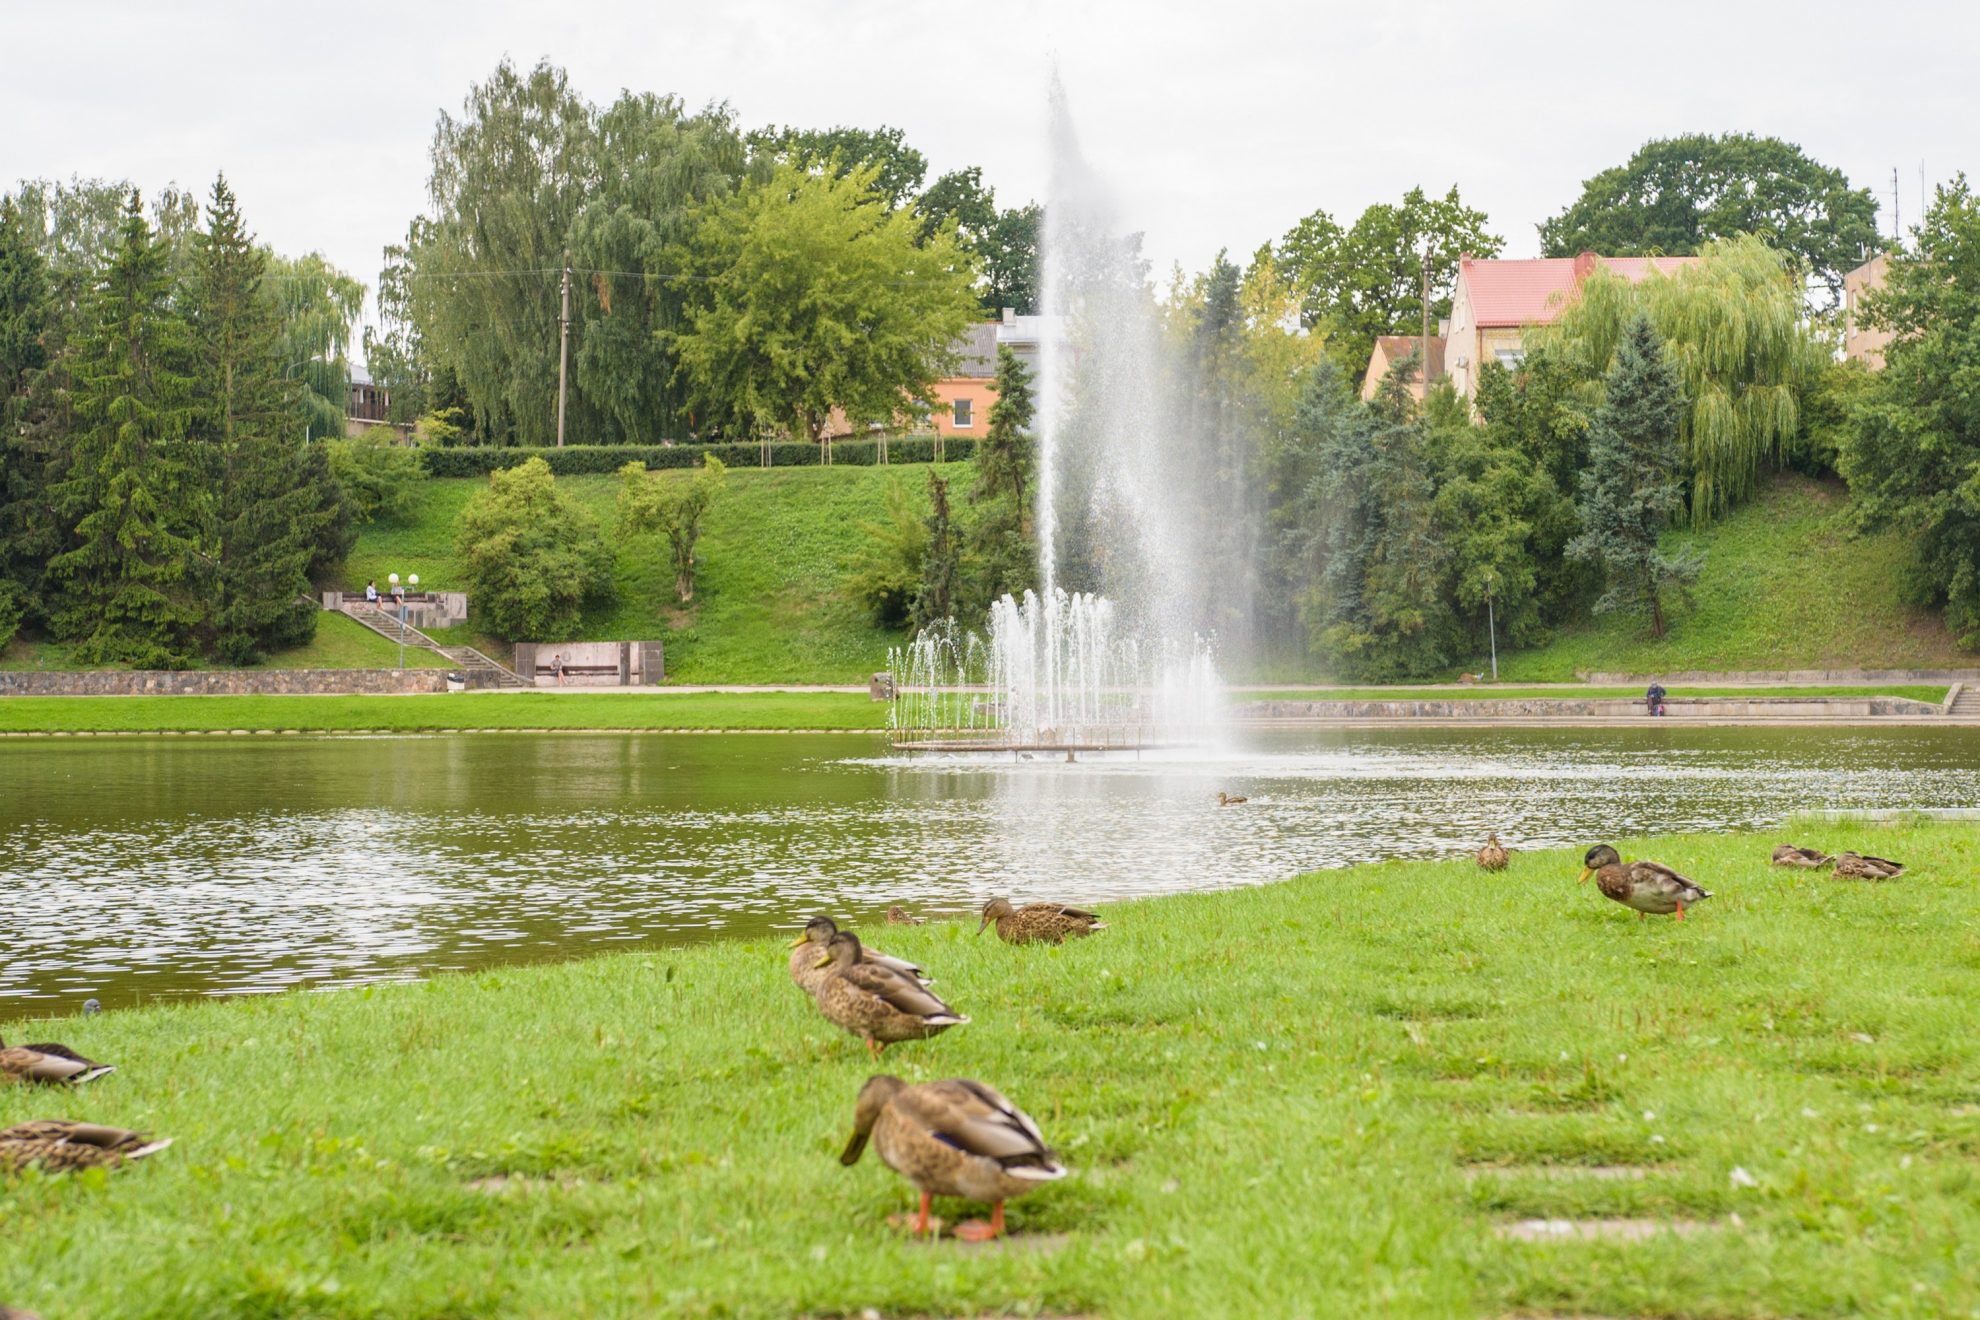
x=770, y=604
x=1785, y=586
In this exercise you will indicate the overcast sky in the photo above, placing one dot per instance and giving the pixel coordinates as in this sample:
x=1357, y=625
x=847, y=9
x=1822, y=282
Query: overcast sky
x=1218, y=125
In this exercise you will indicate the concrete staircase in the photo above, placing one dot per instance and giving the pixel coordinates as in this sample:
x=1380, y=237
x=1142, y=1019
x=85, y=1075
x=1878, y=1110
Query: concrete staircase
x=481, y=671
x=1966, y=702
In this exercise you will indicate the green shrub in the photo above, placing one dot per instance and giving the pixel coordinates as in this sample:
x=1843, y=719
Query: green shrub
x=579, y=460
x=533, y=557
x=377, y=476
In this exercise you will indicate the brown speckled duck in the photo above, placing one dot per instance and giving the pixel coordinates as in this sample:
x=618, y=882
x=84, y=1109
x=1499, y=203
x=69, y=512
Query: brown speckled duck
x=1788, y=854
x=56, y=1144
x=1229, y=800
x=900, y=916
x=808, y=963
x=1855, y=866
x=1037, y=923
x=47, y=1063
x=953, y=1138
x=1493, y=857
x=1649, y=887
x=877, y=1003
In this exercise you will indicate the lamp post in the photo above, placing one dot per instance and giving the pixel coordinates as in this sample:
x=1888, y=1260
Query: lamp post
x=1492, y=626
x=399, y=599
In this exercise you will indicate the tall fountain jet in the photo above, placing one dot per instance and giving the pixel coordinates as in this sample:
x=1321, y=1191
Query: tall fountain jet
x=1135, y=514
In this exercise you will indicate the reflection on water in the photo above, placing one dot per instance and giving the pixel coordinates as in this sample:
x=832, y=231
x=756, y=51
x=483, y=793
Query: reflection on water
x=157, y=867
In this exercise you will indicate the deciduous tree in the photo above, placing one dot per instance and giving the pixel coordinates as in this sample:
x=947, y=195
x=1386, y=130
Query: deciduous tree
x=1912, y=453
x=533, y=557
x=674, y=506
x=1675, y=195
x=816, y=296
x=1367, y=279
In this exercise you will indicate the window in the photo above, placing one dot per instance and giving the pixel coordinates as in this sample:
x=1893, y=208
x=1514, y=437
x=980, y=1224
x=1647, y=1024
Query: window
x=965, y=414
x=1510, y=357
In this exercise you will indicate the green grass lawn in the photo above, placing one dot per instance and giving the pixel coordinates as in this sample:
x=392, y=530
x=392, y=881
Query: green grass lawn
x=769, y=600
x=1498, y=692
x=340, y=643
x=453, y=710
x=1330, y=1097
x=1784, y=586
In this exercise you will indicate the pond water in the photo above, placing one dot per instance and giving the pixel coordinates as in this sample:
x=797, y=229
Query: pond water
x=151, y=867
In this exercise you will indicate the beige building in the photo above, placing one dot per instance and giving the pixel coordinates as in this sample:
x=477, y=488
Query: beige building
x=1391, y=349
x=1860, y=342
x=1495, y=302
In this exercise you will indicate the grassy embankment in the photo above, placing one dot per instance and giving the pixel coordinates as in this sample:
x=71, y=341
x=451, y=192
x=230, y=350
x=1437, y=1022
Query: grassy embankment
x=1502, y=692
x=770, y=603
x=340, y=643
x=467, y=710
x=1784, y=586
x=1329, y=1097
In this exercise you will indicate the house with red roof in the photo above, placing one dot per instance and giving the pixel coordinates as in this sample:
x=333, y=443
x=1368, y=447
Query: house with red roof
x=1391, y=349
x=1495, y=301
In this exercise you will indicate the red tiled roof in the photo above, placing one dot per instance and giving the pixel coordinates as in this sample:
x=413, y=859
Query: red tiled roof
x=1533, y=291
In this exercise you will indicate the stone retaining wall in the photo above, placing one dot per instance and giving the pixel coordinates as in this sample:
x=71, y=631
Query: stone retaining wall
x=1587, y=708
x=1799, y=677
x=219, y=682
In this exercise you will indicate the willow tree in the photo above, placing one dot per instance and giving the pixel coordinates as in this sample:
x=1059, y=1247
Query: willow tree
x=317, y=307
x=1734, y=327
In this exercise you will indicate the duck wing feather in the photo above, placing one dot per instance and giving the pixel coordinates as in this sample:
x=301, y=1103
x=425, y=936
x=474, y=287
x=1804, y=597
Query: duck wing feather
x=900, y=992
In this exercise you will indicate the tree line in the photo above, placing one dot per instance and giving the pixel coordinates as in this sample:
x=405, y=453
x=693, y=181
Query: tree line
x=161, y=375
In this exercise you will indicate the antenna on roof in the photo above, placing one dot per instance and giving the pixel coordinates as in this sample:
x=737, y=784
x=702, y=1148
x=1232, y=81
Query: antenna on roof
x=1897, y=227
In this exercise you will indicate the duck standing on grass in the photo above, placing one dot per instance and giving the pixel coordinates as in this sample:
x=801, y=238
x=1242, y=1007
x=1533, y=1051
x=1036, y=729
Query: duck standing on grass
x=1037, y=923
x=58, y=1144
x=807, y=966
x=877, y=1003
x=1649, y=887
x=953, y=1138
x=1493, y=857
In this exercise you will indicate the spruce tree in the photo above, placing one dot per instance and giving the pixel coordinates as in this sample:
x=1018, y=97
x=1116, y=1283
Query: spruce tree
x=1630, y=489
x=133, y=582
x=278, y=513
x=1006, y=465
x=941, y=569
x=23, y=321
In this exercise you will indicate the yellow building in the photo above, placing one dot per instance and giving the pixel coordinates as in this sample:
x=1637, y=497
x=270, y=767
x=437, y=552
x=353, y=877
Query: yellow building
x=1860, y=342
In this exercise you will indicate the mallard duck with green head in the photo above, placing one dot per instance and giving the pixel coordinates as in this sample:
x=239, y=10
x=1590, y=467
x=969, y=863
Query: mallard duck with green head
x=57, y=1144
x=953, y=1138
x=808, y=963
x=1038, y=923
x=1649, y=887
x=877, y=1003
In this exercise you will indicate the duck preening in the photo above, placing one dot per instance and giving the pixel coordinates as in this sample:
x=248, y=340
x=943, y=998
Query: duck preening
x=953, y=1138
x=48, y=1062
x=1492, y=856
x=1037, y=923
x=808, y=963
x=1649, y=887
x=1788, y=854
x=1856, y=866
x=56, y=1144
x=875, y=1002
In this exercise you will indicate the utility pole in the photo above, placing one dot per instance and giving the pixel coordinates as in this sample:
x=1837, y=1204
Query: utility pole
x=563, y=349
x=1423, y=365
x=1897, y=222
